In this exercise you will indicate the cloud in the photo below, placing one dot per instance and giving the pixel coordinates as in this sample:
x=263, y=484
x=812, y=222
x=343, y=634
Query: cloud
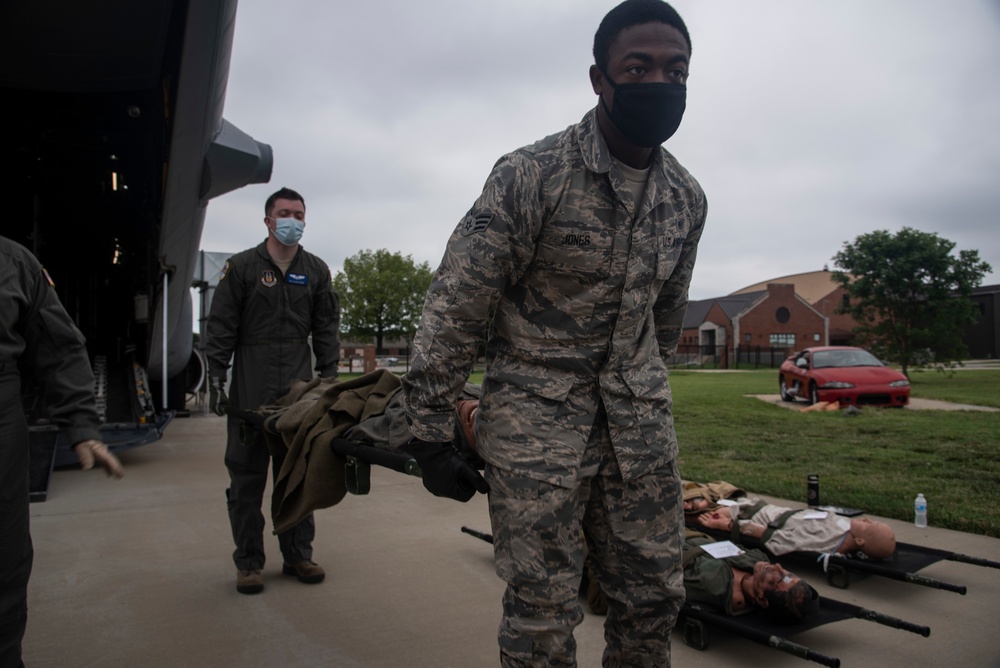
x=808, y=123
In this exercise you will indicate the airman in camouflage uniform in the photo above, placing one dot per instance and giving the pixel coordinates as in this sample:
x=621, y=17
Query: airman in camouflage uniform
x=574, y=265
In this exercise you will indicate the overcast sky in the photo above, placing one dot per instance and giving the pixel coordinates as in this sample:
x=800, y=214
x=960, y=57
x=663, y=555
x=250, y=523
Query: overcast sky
x=808, y=122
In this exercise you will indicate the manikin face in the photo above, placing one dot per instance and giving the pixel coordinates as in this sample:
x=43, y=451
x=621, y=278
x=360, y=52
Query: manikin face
x=697, y=503
x=770, y=577
x=876, y=539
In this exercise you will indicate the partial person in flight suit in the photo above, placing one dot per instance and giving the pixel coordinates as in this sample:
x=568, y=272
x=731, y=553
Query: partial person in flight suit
x=270, y=300
x=36, y=331
x=573, y=266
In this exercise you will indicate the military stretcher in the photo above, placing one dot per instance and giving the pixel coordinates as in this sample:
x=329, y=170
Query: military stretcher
x=902, y=565
x=359, y=456
x=696, y=621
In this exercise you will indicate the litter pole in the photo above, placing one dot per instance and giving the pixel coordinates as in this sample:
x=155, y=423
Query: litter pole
x=894, y=622
x=976, y=561
x=760, y=637
x=895, y=574
x=478, y=534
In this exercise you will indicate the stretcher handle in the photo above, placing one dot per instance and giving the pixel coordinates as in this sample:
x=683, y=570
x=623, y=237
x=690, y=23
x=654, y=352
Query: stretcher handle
x=369, y=454
x=252, y=418
x=363, y=452
x=916, y=578
x=760, y=637
x=894, y=622
x=478, y=534
x=895, y=574
x=976, y=561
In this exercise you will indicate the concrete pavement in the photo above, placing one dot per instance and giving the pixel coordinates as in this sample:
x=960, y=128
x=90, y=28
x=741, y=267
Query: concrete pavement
x=138, y=572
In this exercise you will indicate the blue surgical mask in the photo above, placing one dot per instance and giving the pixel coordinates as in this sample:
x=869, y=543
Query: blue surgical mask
x=288, y=230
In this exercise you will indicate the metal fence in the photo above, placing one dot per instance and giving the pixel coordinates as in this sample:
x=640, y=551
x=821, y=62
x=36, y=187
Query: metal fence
x=721, y=357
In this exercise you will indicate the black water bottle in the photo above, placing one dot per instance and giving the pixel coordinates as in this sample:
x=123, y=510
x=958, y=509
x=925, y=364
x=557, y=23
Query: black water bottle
x=812, y=495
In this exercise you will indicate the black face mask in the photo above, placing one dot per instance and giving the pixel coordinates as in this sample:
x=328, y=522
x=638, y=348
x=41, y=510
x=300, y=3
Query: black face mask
x=648, y=114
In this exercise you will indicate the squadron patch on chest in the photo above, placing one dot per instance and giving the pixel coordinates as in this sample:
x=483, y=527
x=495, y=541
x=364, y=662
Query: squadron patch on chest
x=476, y=223
x=268, y=278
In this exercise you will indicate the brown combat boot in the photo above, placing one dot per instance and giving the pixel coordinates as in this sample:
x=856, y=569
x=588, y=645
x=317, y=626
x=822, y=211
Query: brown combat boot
x=249, y=582
x=306, y=571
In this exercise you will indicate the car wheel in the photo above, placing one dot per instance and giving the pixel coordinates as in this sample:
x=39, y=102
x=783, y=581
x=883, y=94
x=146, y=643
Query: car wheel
x=783, y=387
x=813, y=393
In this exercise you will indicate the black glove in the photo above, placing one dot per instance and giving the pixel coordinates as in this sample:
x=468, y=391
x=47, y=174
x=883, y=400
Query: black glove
x=445, y=471
x=218, y=402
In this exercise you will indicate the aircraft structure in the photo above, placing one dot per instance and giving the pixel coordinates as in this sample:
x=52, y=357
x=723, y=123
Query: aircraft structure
x=114, y=142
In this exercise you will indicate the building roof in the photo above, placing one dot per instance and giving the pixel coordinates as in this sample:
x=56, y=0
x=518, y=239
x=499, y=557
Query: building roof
x=731, y=305
x=696, y=313
x=811, y=286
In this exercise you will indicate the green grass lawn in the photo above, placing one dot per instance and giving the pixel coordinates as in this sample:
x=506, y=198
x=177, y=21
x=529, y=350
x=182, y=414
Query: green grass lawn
x=970, y=386
x=878, y=460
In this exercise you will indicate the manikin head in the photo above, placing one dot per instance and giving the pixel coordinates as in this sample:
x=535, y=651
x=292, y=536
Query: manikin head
x=875, y=539
x=783, y=596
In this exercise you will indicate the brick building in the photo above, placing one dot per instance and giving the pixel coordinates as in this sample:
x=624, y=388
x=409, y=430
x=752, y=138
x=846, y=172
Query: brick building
x=770, y=320
x=777, y=316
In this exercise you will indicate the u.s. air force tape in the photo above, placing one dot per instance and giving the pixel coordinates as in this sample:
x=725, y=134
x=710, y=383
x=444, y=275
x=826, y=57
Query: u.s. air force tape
x=476, y=222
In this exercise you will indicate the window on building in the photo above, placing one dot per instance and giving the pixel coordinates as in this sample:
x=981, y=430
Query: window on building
x=783, y=340
x=782, y=315
x=746, y=337
x=815, y=337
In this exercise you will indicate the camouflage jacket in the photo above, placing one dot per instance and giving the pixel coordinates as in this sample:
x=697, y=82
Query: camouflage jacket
x=580, y=293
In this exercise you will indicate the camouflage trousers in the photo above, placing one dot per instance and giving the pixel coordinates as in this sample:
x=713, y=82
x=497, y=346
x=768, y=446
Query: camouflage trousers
x=633, y=534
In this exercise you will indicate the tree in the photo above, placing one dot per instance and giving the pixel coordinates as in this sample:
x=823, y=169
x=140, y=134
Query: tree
x=381, y=295
x=909, y=294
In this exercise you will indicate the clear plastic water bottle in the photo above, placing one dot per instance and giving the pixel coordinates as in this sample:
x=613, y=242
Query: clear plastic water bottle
x=920, y=511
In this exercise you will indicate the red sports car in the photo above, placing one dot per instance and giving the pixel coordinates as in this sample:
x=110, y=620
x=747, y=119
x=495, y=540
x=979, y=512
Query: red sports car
x=842, y=373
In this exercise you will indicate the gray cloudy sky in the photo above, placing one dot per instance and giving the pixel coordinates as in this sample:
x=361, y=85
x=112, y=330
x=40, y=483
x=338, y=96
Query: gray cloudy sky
x=808, y=122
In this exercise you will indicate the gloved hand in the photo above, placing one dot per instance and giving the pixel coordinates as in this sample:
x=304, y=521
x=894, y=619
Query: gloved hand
x=91, y=451
x=218, y=401
x=445, y=472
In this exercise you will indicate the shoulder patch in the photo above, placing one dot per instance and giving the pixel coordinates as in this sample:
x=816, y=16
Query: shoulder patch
x=48, y=278
x=475, y=223
x=225, y=271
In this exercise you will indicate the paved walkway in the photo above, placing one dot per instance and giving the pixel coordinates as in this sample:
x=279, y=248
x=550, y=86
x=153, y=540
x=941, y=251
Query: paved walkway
x=915, y=404
x=137, y=572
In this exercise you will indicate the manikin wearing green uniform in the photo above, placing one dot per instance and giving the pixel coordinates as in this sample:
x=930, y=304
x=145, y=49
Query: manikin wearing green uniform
x=270, y=300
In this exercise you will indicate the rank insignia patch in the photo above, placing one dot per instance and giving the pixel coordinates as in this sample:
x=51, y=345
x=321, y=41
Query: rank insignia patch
x=476, y=223
x=268, y=278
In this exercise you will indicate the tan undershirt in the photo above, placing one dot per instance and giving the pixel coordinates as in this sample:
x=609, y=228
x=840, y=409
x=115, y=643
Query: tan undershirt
x=283, y=266
x=636, y=179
